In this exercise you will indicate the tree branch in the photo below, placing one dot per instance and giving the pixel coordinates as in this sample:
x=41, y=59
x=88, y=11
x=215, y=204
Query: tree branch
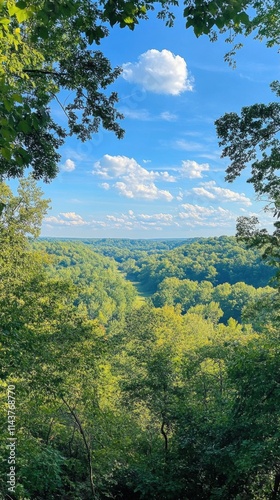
x=164, y=435
x=80, y=427
x=43, y=72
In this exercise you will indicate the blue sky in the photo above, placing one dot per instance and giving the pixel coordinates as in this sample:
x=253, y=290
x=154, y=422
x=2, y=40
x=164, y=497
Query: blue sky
x=165, y=178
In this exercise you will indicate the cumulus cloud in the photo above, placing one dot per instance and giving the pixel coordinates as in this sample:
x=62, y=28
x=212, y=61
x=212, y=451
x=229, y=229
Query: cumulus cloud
x=212, y=191
x=105, y=185
x=200, y=191
x=133, y=181
x=133, y=221
x=197, y=215
x=189, y=215
x=157, y=217
x=68, y=166
x=160, y=72
x=193, y=170
x=195, y=212
x=66, y=219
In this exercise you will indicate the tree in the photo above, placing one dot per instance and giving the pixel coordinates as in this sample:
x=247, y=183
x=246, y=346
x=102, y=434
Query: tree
x=44, y=50
x=54, y=355
x=251, y=140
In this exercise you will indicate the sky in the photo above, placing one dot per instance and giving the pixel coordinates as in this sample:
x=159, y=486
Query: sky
x=165, y=179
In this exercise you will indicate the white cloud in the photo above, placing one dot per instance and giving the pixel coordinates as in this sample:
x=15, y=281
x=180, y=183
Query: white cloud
x=157, y=217
x=167, y=116
x=113, y=218
x=66, y=219
x=165, y=176
x=132, y=221
x=144, y=191
x=105, y=185
x=197, y=215
x=68, y=166
x=200, y=191
x=160, y=72
x=133, y=181
x=212, y=191
x=195, y=211
x=180, y=195
x=189, y=216
x=193, y=170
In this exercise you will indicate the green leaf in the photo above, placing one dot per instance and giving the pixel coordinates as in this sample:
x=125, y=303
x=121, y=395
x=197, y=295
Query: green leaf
x=5, y=21
x=21, y=4
x=7, y=104
x=24, y=126
x=244, y=18
x=129, y=20
x=17, y=98
x=43, y=32
x=6, y=153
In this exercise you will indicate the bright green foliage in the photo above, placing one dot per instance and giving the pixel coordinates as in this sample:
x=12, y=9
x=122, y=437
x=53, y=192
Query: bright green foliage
x=22, y=214
x=55, y=355
x=118, y=401
x=218, y=260
x=174, y=386
x=102, y=290
x=230, y=298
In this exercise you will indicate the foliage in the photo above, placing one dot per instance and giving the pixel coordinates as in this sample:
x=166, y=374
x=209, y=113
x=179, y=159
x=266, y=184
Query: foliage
x=251, y=139
x=231, y=299
x=121, y=401
x=101, y=288
x=217, y=260
x=44, y=50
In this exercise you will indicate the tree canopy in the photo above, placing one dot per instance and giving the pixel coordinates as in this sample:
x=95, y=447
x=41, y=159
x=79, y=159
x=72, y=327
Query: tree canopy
x=119, y=401
x=251, y=139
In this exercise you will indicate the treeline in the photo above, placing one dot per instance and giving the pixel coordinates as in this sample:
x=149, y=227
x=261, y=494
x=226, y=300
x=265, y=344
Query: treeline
x=217, y=260
x=113, y=400
x=195, y=272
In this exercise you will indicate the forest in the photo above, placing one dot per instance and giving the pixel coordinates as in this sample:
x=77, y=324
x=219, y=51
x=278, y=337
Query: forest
x=167, y=393
x=132, y=369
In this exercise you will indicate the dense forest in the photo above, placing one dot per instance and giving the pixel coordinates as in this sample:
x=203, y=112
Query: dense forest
x=172, y=393
x=132, y=369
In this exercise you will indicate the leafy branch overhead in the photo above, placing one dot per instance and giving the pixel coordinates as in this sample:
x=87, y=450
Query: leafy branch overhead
x=252, y=140
x=44, y=50
x=45, y=55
